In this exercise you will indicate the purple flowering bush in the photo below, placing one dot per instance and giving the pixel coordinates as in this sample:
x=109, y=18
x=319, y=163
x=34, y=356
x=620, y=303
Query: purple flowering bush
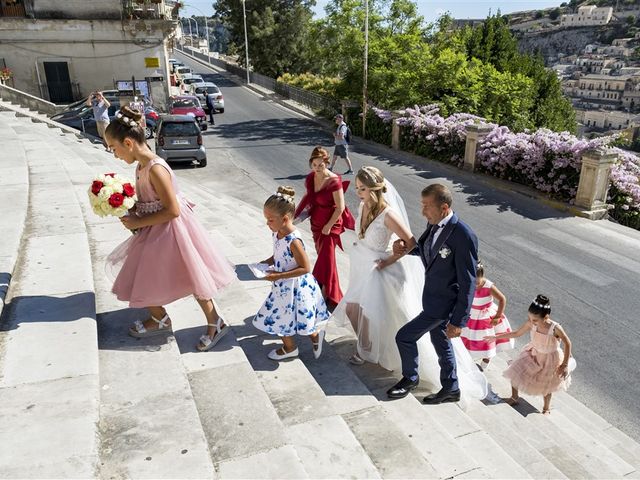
x=545, y=160
x=624, y=192
x=425, y=132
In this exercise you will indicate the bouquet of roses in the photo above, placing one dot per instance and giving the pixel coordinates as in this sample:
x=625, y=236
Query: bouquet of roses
x=111, y=195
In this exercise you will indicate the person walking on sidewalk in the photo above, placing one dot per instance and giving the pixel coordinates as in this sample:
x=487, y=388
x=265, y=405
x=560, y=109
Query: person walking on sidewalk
x=486, y=318
x=100, y=106
x=341, y=144
x=171, y=255
x=295, y=304
x=324, y=204
x=542, y=367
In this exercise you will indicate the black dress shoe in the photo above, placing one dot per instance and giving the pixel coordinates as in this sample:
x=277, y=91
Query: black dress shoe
x=402, y=388
x=442, y=397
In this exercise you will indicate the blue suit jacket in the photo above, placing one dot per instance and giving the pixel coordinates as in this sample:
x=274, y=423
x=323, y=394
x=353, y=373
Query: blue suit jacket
x=450, y=277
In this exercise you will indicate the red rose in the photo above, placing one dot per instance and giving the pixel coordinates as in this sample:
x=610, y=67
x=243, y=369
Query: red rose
x=116, y=200
x=96, y=186
x=128, y=190
x=110, y=175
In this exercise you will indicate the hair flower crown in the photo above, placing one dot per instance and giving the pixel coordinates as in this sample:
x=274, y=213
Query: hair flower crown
x=540, y=305
x=130, y=122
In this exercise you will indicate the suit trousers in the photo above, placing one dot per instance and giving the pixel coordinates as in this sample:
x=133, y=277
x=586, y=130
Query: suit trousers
x=407, y=338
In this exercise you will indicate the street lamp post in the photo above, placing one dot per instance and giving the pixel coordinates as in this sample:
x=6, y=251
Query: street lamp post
x=366, y=67
x=246, y=42
x=196, y=24
x=206, y=27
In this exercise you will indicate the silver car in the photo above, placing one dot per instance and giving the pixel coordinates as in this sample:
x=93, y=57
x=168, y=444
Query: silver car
x=179, y=139
x=211, y=89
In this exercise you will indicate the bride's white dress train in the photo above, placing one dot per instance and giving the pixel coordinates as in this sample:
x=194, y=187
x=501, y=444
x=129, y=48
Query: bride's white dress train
x=379, y=302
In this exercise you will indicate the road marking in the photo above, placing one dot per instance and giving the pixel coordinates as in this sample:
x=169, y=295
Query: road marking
x=575, y=268
x=592, y=249
x=610, y=235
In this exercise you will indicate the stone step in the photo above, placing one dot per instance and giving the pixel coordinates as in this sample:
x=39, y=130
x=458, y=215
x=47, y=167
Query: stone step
x=436, y=445
x=511, y=440
x=51, y=305
x=567, y=433
x=14, y=191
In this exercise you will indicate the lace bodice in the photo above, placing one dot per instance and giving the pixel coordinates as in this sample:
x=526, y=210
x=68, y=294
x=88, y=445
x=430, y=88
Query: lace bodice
x=377, y=236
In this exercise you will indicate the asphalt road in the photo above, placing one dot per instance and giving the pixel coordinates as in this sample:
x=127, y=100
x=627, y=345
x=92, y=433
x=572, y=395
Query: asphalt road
x=590, y=270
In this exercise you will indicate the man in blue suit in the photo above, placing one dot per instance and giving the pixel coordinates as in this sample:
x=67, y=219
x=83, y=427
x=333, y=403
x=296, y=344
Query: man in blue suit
x=449, y=252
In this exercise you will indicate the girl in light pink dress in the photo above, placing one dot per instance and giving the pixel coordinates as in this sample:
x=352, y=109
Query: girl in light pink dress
x=486, y=318
x=171, y=255
x=542, y=367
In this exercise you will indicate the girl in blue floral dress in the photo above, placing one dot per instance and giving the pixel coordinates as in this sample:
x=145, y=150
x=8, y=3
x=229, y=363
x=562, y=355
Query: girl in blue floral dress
x=295, y=304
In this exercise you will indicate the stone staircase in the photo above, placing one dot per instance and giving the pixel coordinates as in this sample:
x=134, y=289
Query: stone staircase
x=82, y=399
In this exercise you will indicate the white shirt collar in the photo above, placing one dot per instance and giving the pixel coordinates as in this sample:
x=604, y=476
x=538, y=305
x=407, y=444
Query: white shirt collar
x=445, y=220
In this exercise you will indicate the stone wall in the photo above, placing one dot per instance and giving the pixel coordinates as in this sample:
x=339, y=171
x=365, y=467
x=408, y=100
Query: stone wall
x=97, y=52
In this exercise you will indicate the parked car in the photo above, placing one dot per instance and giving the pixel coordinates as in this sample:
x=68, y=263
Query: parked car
x=191, y=80
x=181, y=71
x=211, y=89
x=188, y=105
x=82, y=118
x=179, y=139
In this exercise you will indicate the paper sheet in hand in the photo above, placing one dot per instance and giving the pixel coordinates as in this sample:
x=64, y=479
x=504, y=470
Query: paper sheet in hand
x=260, y=270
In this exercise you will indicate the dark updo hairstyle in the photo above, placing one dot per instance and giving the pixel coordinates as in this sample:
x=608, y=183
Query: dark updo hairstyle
x=479, y=269
x=540, y=307
x=127, y=124
x=319, y=152
x=282, y=202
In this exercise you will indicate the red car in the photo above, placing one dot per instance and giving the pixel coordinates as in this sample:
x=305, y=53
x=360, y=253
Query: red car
x=188, y=105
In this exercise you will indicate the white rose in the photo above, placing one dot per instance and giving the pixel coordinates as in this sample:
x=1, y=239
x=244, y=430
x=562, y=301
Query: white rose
x=105, y=193
x=129, y=202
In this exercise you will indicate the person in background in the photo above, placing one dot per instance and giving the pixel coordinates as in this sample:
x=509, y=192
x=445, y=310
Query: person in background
x=100, y=106
x=341, y=146
x=211, y=107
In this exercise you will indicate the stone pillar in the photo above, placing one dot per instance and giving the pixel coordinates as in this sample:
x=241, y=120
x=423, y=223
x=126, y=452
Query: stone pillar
x=476, y=133
x=395, y=129
x=594, y=182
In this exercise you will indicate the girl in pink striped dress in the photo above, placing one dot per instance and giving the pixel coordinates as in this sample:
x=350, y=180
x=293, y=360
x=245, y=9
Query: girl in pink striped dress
x=486, y=319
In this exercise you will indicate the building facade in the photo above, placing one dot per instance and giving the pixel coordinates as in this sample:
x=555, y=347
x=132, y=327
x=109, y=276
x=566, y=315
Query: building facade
x=63, y=50
x=587, y=16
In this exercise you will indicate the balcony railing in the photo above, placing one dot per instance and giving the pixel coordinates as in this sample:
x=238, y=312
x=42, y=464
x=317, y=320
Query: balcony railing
x=12, y=8
x=147, y=9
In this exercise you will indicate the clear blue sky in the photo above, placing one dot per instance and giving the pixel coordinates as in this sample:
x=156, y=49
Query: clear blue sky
x=429, y=9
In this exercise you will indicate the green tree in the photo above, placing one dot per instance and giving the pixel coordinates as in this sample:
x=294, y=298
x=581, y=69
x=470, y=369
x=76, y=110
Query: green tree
x=277, y=32
x=554, y=14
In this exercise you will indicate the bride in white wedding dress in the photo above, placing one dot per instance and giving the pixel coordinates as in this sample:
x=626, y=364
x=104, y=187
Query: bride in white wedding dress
x=385, y=291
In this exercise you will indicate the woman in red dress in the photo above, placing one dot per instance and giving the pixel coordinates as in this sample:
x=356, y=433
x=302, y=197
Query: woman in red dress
x=324, y=204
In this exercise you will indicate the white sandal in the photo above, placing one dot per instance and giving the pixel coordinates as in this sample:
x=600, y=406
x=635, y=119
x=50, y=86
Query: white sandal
x=208, y=342
x=317, y=346
x=140, y=331
x=356, y=360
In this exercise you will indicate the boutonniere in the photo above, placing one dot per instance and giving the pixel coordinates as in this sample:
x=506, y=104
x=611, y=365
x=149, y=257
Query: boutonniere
x=444, y=252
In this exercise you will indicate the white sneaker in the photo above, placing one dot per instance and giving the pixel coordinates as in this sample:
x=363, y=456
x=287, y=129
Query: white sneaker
x=274, y=355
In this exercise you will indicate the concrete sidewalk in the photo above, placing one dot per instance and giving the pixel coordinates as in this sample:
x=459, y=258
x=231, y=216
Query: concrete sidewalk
x=81, y=399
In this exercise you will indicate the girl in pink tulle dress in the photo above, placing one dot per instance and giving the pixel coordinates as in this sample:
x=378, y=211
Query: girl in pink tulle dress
x=171, y=255
x=542, y=367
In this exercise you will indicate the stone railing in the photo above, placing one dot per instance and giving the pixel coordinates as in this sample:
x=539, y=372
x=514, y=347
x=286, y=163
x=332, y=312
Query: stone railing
x=27, y=100
x=593, y=186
